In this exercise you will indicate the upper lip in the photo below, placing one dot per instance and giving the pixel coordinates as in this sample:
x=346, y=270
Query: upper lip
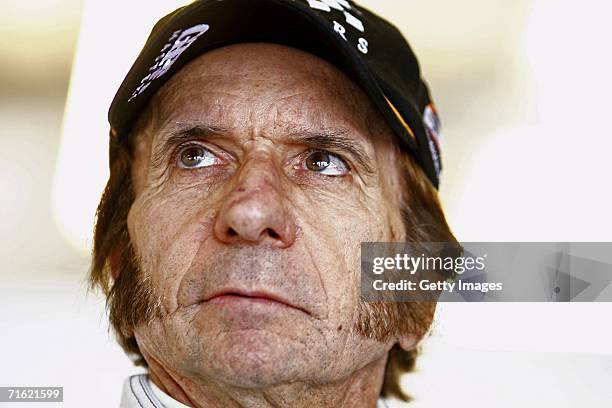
x=256, y=294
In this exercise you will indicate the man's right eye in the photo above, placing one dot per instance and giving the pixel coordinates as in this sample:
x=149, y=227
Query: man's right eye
x=194, y=157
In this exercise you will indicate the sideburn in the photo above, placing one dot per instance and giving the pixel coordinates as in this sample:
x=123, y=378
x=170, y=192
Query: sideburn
x=130, y=298
x=132, y=301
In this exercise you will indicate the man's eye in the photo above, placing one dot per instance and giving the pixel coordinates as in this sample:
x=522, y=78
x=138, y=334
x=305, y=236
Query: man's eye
x=193, y=157
x=325, y=163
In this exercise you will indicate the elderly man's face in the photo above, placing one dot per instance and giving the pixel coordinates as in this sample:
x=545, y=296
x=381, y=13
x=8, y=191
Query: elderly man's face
x=258, y=173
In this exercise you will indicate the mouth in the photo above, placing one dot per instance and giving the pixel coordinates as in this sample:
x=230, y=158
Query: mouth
x=234, y=296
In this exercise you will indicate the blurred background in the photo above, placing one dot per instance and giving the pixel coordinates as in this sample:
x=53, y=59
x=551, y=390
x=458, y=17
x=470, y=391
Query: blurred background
x=523, y=90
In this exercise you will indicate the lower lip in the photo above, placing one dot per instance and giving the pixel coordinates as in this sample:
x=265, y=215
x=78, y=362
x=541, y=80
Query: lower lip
x=235, y=300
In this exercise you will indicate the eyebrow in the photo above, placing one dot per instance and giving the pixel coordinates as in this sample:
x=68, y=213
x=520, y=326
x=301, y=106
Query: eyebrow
x=333, y=140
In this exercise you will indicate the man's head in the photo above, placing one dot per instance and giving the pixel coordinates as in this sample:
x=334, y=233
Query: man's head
x=255, y=180
x=232, y=232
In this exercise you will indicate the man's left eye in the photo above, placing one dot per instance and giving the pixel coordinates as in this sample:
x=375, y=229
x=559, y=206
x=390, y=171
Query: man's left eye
x=325, y=163
x=194, y=157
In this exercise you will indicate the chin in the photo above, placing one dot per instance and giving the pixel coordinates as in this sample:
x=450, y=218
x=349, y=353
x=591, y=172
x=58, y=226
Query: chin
x=256, y=358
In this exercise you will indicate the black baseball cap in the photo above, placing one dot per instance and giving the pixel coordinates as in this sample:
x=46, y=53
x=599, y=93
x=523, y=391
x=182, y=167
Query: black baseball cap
x=367, y=48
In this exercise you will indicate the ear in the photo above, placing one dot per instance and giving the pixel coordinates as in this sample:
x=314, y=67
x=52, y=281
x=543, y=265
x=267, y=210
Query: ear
x=113, y=260
x=408, y=342
x=409, y=339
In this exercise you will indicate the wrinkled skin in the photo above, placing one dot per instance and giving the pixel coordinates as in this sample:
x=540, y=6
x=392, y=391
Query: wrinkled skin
x=253, y=254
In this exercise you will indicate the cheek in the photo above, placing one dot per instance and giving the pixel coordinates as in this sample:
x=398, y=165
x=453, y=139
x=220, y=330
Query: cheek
x=333, y=227
x=166, y=235
x=339, y=221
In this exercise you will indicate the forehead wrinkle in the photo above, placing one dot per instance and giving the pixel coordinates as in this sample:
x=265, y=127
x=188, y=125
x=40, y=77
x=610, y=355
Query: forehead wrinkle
x=324, y=105
x=288, y=66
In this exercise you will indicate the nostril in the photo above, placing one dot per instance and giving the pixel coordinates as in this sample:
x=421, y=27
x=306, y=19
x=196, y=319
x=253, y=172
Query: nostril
x=272, y=233
x=231, y=232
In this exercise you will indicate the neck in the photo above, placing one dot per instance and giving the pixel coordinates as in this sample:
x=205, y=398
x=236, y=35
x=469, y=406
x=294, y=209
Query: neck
x=361, y=389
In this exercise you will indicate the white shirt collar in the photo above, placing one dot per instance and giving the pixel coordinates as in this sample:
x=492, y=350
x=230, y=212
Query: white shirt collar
x=166, y=400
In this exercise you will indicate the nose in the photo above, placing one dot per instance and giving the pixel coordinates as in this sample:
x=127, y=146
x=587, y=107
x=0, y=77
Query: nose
x=255, y=212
